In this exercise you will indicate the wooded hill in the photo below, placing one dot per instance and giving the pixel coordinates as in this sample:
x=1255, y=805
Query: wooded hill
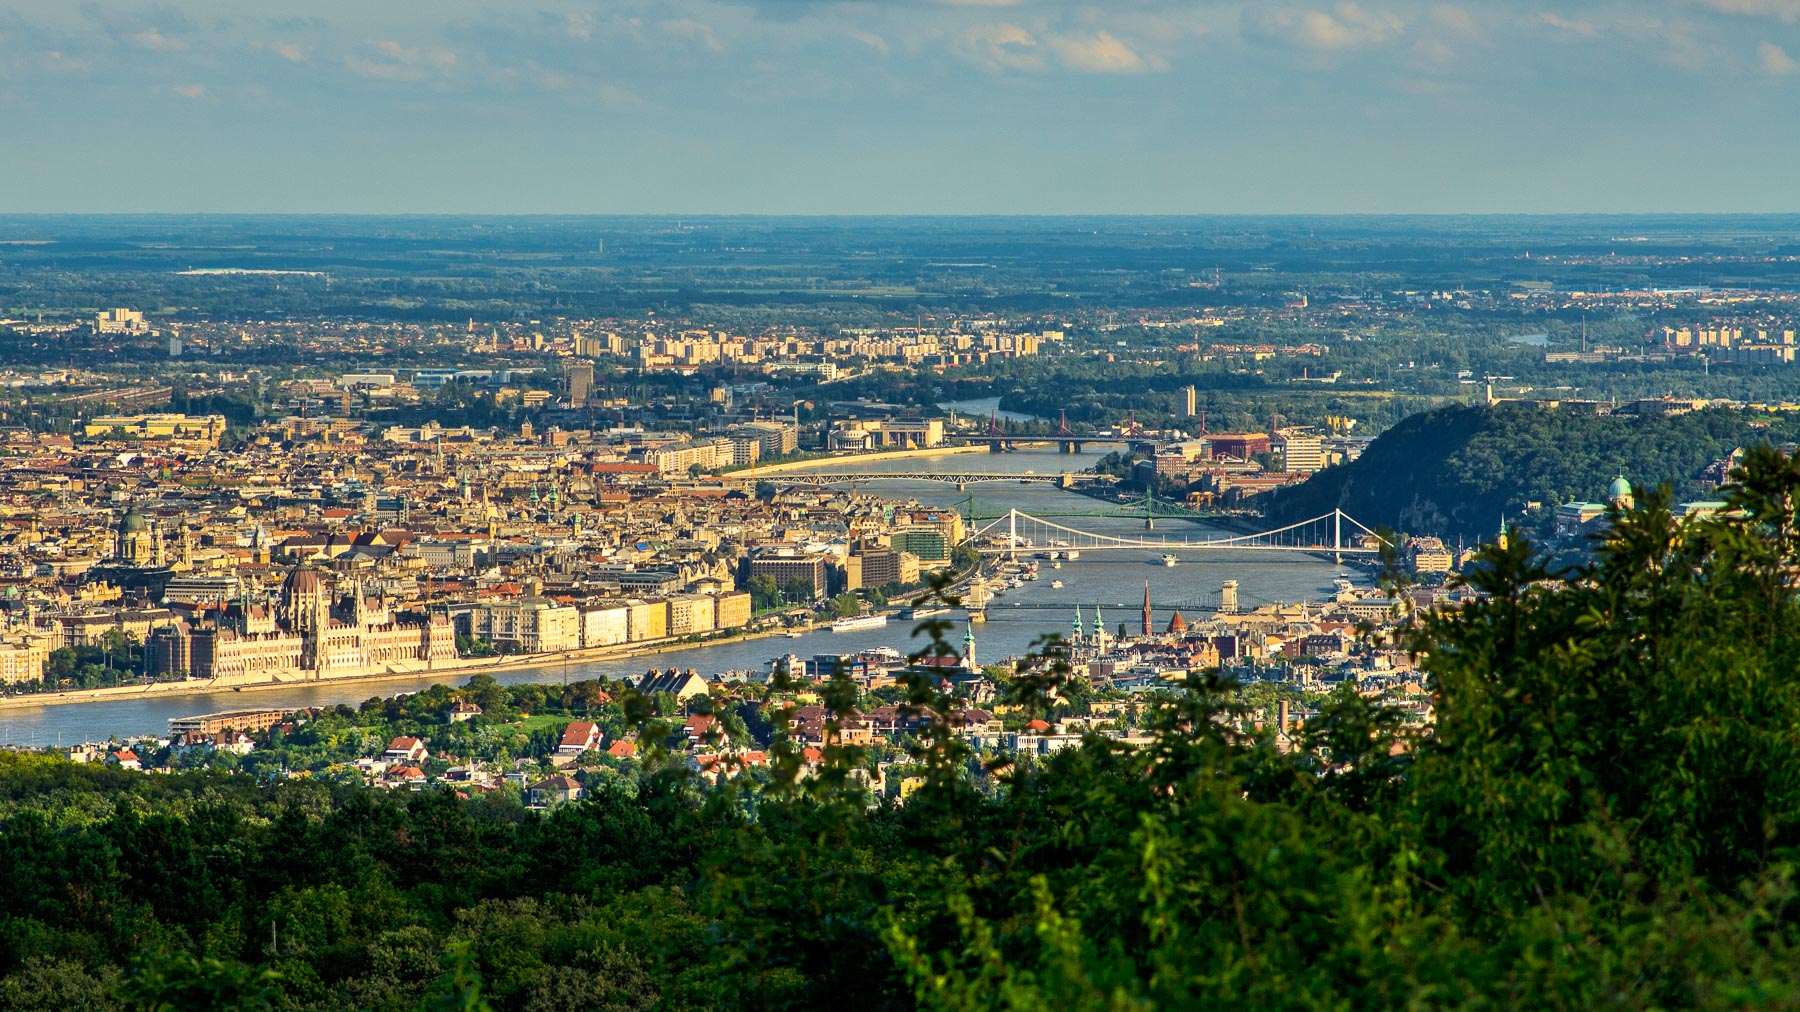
x=1454, y=471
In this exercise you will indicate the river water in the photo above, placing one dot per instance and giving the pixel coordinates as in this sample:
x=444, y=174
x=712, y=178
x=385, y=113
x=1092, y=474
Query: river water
x=1112, y=580
x=986, y=407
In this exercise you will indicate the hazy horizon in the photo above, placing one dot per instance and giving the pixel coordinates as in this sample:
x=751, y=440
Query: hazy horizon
x=700, y=216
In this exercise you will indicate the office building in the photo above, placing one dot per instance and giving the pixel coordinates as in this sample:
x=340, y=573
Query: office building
x=783, y=568
x=578, y=383
x=1302, y=454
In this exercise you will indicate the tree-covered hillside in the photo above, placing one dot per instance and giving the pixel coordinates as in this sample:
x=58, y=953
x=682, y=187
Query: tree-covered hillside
x=1454, y=471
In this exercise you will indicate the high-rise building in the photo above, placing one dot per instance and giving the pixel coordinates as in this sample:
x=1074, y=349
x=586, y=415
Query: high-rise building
x=1302, y=454
x=578, y=383
x=121, y=321
x=776, y=438
x=809, y=568
x=1191, y=402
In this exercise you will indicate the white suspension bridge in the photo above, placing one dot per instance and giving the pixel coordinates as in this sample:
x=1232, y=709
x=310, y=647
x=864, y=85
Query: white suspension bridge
x=1335, y=533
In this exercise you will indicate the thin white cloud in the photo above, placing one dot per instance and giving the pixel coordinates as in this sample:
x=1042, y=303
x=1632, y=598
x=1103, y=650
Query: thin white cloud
x=1676, y=43
x=618, y=96
x=573, y=86
x=387, y=60
x=1101, y=53
x=288, y=51
x=155, y=41
x=870, y=39
x=1781, y=10
x=1566, y=26
x=63, y=63
x=1775, y=61
x=1451, y=18
x=689, y=30
x=1432, y=54
x=189, y=90
x=1345, y=26
x=1001, y=46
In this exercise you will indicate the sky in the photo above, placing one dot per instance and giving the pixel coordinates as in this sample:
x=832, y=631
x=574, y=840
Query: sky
x=899, y=106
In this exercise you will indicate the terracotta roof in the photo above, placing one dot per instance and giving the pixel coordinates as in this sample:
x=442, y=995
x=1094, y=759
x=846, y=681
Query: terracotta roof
x=581, y=732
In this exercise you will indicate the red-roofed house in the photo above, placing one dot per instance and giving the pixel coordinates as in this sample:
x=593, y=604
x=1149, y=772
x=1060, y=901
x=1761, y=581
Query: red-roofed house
x=405, y=749
x=578, y=737
x=702, y=725
x=552, y=790
x=622, y=749
x=408, y=776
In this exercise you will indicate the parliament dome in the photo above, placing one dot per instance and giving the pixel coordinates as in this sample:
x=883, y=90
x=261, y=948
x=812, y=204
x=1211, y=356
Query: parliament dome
x=301, y=580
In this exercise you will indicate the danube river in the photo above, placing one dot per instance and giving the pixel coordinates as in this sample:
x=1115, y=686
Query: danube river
x=1112, y=580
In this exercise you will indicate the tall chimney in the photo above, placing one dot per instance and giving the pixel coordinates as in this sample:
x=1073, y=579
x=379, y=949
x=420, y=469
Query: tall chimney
x=1284, y=716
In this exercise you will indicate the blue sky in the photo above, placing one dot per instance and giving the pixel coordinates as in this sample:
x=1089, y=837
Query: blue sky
x=808, y=106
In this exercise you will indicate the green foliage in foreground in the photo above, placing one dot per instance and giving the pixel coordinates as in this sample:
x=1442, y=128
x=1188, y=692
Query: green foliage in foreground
x=1606, y=816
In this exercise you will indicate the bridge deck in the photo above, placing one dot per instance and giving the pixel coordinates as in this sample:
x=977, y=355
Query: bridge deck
x=947, y=478
x=1335, y=533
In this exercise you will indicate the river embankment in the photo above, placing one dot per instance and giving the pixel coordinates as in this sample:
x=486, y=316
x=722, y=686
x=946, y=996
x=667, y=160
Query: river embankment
x=849, y=459
x=456, y=670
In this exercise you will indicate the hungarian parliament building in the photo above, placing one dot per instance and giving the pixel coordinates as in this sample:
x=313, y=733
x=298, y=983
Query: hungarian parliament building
x=319, y=628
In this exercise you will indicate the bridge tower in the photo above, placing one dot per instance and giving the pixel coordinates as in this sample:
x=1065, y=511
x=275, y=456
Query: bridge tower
x=997, y=444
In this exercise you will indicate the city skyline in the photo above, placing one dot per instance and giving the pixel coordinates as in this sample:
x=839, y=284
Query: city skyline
x=790, y=106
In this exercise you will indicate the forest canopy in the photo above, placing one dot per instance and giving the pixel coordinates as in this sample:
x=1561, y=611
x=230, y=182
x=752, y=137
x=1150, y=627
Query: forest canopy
x=1457, y=471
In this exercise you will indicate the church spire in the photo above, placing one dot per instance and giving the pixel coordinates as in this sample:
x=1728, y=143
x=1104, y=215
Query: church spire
x=1148, y=630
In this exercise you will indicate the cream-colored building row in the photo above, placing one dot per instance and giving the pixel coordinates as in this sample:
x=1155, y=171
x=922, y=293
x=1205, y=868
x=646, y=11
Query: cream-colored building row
x=158, y=426
x=23, y=660
x=635, y=621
